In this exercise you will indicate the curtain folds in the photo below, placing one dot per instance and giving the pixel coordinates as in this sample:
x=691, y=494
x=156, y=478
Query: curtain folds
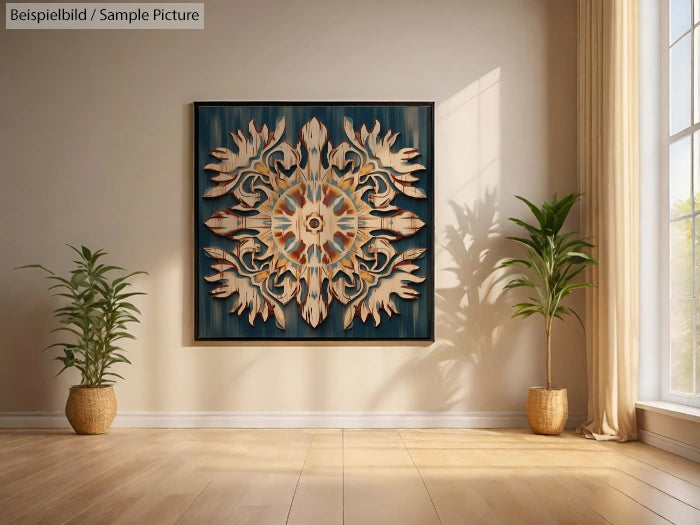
x=608, y=156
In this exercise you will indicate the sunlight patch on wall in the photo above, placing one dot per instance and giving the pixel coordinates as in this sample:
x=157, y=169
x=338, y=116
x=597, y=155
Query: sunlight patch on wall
x=469, y=148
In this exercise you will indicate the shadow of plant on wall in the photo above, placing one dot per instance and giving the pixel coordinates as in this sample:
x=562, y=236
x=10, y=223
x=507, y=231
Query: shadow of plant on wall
x=470, y=314
x=461, y=370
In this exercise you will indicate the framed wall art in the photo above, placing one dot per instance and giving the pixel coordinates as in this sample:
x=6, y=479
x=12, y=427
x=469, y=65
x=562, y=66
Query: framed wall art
x=314, y=221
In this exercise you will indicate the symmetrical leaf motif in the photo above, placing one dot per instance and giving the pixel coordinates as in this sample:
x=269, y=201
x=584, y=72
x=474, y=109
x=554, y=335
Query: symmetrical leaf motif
x=314, y=222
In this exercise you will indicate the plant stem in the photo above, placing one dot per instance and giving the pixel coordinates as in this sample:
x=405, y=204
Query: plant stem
x=548, y=331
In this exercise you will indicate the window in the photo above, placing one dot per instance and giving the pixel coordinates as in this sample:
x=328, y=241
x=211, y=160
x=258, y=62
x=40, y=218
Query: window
x=681, y=52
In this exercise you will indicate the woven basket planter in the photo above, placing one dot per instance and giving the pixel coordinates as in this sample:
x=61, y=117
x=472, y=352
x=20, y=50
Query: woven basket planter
x=547, y=410
x=91, y=409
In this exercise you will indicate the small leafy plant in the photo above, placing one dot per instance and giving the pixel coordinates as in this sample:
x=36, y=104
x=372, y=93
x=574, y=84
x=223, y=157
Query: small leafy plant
x=553, y=261
x=97, y=315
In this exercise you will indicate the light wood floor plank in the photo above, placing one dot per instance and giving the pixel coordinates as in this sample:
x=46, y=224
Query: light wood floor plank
x=255, y=483
x=471, y=486
x=339, y=477
x=382, y=485
x=660, y=459
x=654, y=499
x=319, y=494
x=616, y=507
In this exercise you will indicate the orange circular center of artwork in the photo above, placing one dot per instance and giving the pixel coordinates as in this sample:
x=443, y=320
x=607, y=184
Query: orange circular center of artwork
x=314, y=224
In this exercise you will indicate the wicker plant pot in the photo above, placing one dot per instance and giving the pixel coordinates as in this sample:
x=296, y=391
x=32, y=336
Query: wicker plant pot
x=91, y=409
x=547, y=410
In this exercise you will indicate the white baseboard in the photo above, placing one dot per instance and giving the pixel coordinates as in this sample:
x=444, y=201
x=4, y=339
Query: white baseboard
x=669, y=445
x=33, y=420
x=288, y=420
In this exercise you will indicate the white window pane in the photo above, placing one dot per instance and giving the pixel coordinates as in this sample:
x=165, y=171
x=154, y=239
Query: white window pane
x=682, y=345
x=679, y=85
x=678, y=18
x=696, y=12
x=679, y=178
x=680, y=235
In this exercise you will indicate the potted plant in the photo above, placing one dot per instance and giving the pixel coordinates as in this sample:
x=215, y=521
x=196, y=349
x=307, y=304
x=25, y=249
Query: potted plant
x=552, y=263
x=95, y=316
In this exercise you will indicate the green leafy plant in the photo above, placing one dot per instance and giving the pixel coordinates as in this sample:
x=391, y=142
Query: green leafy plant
x=96, y=315
x=553, y=261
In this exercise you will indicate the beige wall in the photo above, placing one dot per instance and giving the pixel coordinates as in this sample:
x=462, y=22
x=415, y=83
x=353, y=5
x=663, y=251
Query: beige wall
x=680, y=430
x=96, y=149
x=673, y=432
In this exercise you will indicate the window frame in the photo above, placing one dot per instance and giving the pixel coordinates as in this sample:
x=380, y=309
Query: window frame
x=666, y=393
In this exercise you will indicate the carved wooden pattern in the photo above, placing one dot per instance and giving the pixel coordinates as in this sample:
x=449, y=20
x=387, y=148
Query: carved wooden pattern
x=313, y=223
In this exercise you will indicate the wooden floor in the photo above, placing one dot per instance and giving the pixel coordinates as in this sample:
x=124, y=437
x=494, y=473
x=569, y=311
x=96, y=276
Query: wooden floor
x=329, y=477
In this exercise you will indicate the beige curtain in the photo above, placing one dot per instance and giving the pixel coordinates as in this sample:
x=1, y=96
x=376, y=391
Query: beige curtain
x=608, y=115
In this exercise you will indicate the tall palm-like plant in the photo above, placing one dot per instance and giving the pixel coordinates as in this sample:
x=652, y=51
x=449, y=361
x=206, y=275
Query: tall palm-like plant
x=553, y=261
x=96, y=316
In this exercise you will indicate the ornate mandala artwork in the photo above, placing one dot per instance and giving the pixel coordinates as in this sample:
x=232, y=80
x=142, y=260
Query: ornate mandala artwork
x=310, y=227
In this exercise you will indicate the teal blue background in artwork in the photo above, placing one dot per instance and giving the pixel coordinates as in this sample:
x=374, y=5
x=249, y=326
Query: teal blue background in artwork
x=214, y=122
